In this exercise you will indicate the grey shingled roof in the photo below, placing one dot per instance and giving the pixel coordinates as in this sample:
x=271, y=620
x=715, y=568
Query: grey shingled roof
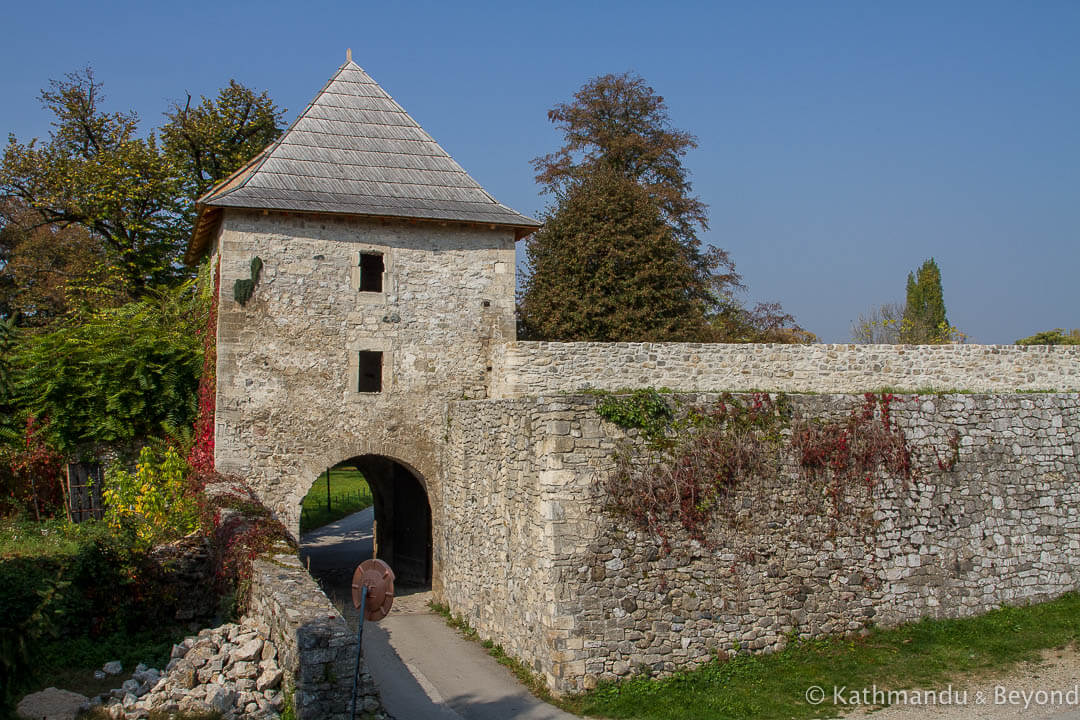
x=354, y=150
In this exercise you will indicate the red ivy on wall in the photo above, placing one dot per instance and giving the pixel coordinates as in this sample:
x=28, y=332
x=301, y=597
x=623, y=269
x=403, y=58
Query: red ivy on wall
x=201, y=458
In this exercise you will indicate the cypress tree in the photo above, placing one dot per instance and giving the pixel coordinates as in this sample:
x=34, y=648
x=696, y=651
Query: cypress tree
x=924, y=317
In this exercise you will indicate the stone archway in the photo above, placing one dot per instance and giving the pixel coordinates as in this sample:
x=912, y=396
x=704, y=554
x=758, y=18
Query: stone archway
x=402, y=516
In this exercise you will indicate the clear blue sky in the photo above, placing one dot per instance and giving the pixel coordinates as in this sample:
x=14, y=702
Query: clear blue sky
x=841, y=143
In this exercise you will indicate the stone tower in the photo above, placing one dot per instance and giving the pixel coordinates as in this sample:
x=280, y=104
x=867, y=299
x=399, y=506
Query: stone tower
x=387, y=277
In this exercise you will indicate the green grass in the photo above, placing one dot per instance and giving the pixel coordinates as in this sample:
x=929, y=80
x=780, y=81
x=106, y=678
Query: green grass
x=923, y=655
x=349, y=493
x=21, y=537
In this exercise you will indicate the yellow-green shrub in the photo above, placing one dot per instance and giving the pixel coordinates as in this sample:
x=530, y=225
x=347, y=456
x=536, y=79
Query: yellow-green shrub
x=151, y=503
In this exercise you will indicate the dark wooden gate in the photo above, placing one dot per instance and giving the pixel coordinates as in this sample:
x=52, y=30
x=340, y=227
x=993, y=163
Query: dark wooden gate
x=83, y=496
x=411, y=529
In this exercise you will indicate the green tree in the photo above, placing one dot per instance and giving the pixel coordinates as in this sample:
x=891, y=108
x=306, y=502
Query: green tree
x=7, y=345
x=216, y=137
x=618, y=122
x=116, y=376
x=1056, y=336
x=97, y=173
x=51, y=270
x=133, y=195
x=619, y=257
x=924, y=319
x=607, y=267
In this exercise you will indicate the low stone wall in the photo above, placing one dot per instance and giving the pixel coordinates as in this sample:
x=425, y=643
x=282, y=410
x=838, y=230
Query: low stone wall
x=315, y=646
x=183, y=569
x=580, y=595
x=535, y=368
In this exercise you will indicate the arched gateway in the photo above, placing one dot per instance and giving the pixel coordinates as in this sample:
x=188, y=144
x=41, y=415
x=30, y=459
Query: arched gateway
x=383, y=278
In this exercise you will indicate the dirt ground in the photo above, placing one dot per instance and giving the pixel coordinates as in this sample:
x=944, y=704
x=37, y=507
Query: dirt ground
x=1024, y=692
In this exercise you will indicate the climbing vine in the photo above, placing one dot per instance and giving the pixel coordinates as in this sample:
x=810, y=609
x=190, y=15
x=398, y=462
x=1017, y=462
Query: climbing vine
x=695, y=456
x=645, y=410
x=245, y=288
x=683, y=461
x=848, y=455
x=201, y=457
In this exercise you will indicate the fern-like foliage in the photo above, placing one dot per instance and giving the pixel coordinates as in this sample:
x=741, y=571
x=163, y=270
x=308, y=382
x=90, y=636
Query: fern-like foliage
x=117, y=376
x=8, y=425
x=7, y=342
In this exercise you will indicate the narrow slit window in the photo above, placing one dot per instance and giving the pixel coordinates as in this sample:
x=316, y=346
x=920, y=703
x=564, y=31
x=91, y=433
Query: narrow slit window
x=371, y=272
x=370, y=372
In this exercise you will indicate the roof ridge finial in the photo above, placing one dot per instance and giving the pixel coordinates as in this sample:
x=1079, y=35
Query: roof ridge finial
x=348, y=54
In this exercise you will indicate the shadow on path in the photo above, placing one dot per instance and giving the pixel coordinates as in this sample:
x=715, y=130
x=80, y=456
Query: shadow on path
x=424, y=669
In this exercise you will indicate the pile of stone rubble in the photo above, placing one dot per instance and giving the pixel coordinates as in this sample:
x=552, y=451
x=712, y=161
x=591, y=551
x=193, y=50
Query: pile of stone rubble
x=230, y=669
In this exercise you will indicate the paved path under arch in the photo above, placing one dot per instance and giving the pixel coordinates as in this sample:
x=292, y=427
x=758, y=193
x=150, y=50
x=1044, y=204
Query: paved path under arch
x=424, y=668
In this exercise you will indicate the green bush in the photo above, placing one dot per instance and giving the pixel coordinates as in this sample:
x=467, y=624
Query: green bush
x=114, y=377
x=59, y=581
x=1052, y=337
x=150, y=505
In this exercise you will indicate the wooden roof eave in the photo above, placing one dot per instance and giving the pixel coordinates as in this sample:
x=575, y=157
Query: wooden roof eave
x=207, y=223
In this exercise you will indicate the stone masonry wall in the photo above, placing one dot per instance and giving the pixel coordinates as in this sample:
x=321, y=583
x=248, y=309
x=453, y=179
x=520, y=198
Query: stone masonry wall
x=536, y=563
x=534, y=368
x=315, y=645
x=492, y=538
x=287, y=403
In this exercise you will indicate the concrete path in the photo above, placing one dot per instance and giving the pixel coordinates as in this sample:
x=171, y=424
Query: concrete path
x=424, y=668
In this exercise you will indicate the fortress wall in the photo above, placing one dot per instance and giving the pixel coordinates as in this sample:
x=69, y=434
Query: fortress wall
x=536, y=563
x=494, y=540
x=315, y=644
x=533, y=368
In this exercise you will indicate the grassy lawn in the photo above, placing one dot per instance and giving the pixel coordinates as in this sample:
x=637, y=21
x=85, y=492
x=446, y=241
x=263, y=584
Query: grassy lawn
x=924, y=655
x=23, y=538
x=349, y=493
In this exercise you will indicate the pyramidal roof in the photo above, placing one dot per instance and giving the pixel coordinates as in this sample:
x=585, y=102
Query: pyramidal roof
x=355, y=151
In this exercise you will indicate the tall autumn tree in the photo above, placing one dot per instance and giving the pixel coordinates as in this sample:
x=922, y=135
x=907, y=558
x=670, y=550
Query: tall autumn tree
x=96, y=172
x=618, y=257
x=216, y=136
x=924, y=313
x=50, y=270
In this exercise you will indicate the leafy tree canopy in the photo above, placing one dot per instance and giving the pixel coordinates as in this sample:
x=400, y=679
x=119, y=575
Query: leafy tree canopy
x=619, y=257
x=217, y=136
x=606, y=267
x=49, y=270
x=1056, y=336
x=131, y=194
x=619, y=123
x=117, y=376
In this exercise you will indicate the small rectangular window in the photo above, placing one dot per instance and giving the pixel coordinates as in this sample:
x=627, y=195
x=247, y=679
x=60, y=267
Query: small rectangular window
x=370, y=372
x=371, y=272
